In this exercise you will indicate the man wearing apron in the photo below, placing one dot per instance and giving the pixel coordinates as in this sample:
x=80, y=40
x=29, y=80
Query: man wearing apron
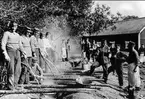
x=133, y=68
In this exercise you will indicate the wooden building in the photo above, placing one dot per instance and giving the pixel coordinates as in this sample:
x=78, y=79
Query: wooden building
x=123, y=32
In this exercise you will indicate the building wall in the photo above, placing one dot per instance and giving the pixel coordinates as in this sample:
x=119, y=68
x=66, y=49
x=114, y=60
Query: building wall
x=122, y=39
x=142, y=37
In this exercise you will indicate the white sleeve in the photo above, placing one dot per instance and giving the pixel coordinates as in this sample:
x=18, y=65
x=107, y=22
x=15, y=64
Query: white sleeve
x=4, y=41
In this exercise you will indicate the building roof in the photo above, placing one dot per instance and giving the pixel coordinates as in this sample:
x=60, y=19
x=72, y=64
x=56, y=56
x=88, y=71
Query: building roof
x=125, y=27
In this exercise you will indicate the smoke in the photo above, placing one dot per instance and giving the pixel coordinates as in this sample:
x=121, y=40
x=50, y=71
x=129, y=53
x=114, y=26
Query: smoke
x=60, y=30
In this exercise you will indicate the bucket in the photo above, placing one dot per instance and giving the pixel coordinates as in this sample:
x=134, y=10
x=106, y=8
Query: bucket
x=83, y=81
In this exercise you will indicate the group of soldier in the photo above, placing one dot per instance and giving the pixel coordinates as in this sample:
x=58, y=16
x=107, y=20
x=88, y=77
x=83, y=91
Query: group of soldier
x=24, y=51
x=112, y=59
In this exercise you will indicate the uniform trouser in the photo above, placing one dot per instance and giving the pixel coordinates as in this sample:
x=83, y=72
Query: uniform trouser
x=24, y=78
x=42, y=62
x=13, y=68
x=66, y=54
x=94, y=55
x=37, y=51
x=93, y=66
x=88, y=55
x=112, y=67
x=120, y=75
x=92, y=69
x=105, y=71
x=40, y=58
x=51, y=57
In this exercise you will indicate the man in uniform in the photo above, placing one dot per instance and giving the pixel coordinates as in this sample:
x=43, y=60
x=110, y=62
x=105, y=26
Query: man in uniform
x=104, y=59
x=35, y=44
x=11, y=46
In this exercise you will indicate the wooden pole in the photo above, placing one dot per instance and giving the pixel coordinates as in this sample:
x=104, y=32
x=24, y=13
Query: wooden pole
x=60, y=75
x=60, y=86
x=47, y=60
x=49, y=90
x=43, y=86
x=99, y=86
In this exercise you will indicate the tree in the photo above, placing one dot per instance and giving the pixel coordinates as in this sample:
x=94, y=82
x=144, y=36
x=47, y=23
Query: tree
x=129, y=17
x=95, y=22
x=33, y=11
x=73, y=13
x=125, y=18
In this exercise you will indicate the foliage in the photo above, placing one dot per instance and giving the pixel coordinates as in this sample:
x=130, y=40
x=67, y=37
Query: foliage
x=33, y=12
x=126, y=18
x=94, y=22
x=73, y=13
x=129, y=17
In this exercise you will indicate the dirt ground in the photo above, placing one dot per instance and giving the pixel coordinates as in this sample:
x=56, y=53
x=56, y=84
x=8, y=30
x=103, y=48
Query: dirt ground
x=110, y=90
x=67, y=76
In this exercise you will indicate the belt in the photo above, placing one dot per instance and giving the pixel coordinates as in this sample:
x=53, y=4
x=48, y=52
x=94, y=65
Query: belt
x=13, y=43
x=14, y=49
x=26, y=46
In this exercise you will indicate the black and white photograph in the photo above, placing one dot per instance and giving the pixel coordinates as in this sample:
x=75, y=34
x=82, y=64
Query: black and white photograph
x=72, y=49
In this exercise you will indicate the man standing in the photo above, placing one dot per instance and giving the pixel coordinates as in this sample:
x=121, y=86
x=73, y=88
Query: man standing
x=113, y=51
x=35, y=44
x=104, y=59
x=87, y=48
x=42, y=52
x=141, y=52
x=83, y=48
x=67, y=48
x=24, y=79
x=120, y=58
x=11, y=46
x=133, y=69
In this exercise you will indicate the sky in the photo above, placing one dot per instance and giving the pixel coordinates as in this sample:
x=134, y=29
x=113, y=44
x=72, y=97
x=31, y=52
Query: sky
x=136, y=8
